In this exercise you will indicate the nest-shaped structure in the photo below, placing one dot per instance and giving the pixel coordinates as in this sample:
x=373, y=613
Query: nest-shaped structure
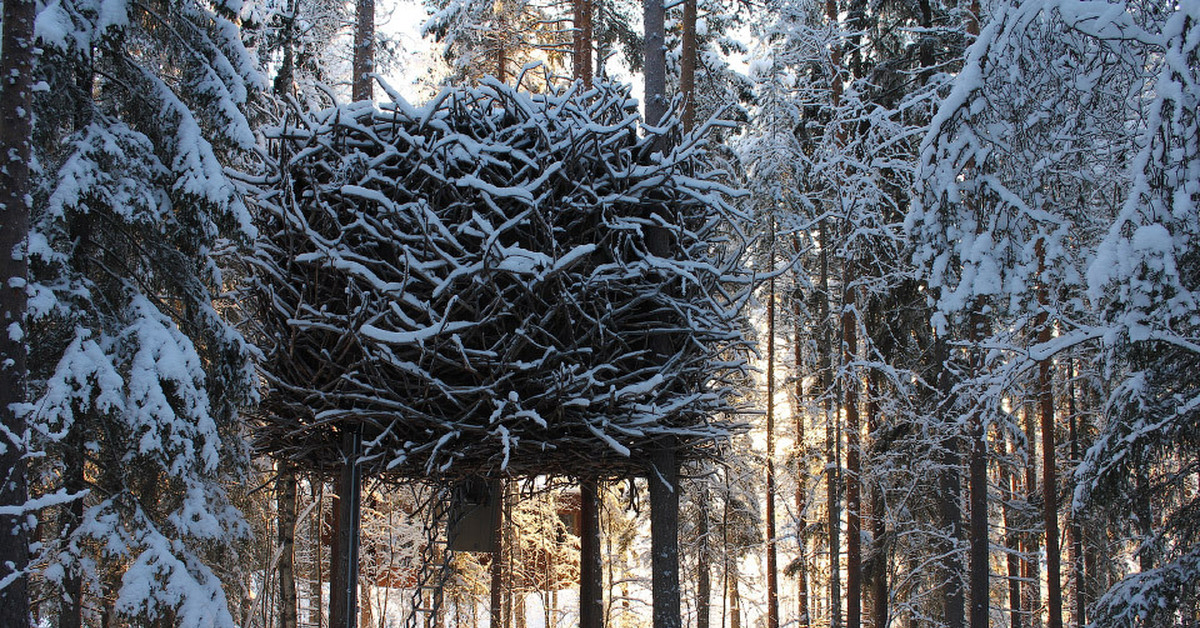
x=470, y=284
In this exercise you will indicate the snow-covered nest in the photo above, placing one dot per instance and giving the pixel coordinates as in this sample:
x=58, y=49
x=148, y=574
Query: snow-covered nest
x=470, y=282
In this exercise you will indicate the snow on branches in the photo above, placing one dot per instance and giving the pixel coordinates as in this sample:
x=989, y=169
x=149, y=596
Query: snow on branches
x=470, y=282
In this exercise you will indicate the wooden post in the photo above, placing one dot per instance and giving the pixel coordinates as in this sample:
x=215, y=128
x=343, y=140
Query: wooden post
x=664, y=535
x=497, y=567
x=343, y=580
x=591, y=578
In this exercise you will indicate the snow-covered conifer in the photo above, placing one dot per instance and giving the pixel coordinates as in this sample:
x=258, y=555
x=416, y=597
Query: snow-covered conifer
x=139, y=372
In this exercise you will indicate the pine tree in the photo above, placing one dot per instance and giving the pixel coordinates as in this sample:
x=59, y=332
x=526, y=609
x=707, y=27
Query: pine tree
x=140, y=374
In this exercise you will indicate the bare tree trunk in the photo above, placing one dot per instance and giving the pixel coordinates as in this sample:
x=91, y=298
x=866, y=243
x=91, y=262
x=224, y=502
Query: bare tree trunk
x=801, y=462
x=772, y=557
x=362, y=87
x=367, y=616
x=978, y=485
x=1008, y=484
x=318, y=564
x=853, y=459
x=832, y=459
x=687, y=65
x=1076, y=528
x=1045, y=386
x=285, y=79
x=16, y=76
x=655, y=62
x=70, y=611
x=735, y=598
x=1031, y=570
x=286, y=503
x=880, y=547
x=950, y=493
x=703, y=562
x=664, y=466
x=591, y=576
x=582, y=41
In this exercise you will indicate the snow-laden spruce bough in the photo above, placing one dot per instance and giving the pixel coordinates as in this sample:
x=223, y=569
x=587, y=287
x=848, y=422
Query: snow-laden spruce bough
x=470, y=282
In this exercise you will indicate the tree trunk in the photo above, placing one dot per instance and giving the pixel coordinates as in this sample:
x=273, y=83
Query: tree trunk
x=343, y=580
x=832, y=459
x=1045, y=386
x=1031, y=571
x=367, y=616
x=735, y=598
x=687, y=65
x=703, y=562
x=978, y=486
x=1076, y=528
x=853, y=467
x=655, y=62
x=664, y=536
x=772, y=557
x=70, y=611
x=16, y=75
x=318, y=564
x=591, y=576
x=582, y=41
x=286, y=499
x=285, y=79
x=1008, y=484
x=664, y=467
x=362, y=87
x=879, y=548
x=801, y=461
x=950, y=493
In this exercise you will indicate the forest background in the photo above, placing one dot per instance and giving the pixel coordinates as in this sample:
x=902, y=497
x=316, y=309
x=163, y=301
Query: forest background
x=975, y=237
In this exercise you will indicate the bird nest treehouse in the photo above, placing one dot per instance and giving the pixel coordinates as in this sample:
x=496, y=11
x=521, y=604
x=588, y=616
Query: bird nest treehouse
x=473, y=286
x=496, y=284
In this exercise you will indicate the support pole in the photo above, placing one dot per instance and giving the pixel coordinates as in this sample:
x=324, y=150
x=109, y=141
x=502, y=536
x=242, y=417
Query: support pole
x=343, y=590
x=664, y=536
x=591, y=578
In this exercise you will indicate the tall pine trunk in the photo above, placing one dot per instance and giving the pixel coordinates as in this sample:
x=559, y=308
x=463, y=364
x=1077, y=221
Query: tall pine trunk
x=832, y=459
x=1079, y=573
x=772, y=556
x=801, y=461
x=16, y=74
x=1045, y=386
x=978, y=487
x=950, y=496
x=362, y=86
x=582, y=41
x=853, y=455
x=663, y=470
x=1008, y=486
x=880, y=547
x=286, y=504
x=703, y=562
x=687, y=65
x=1031, y=569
